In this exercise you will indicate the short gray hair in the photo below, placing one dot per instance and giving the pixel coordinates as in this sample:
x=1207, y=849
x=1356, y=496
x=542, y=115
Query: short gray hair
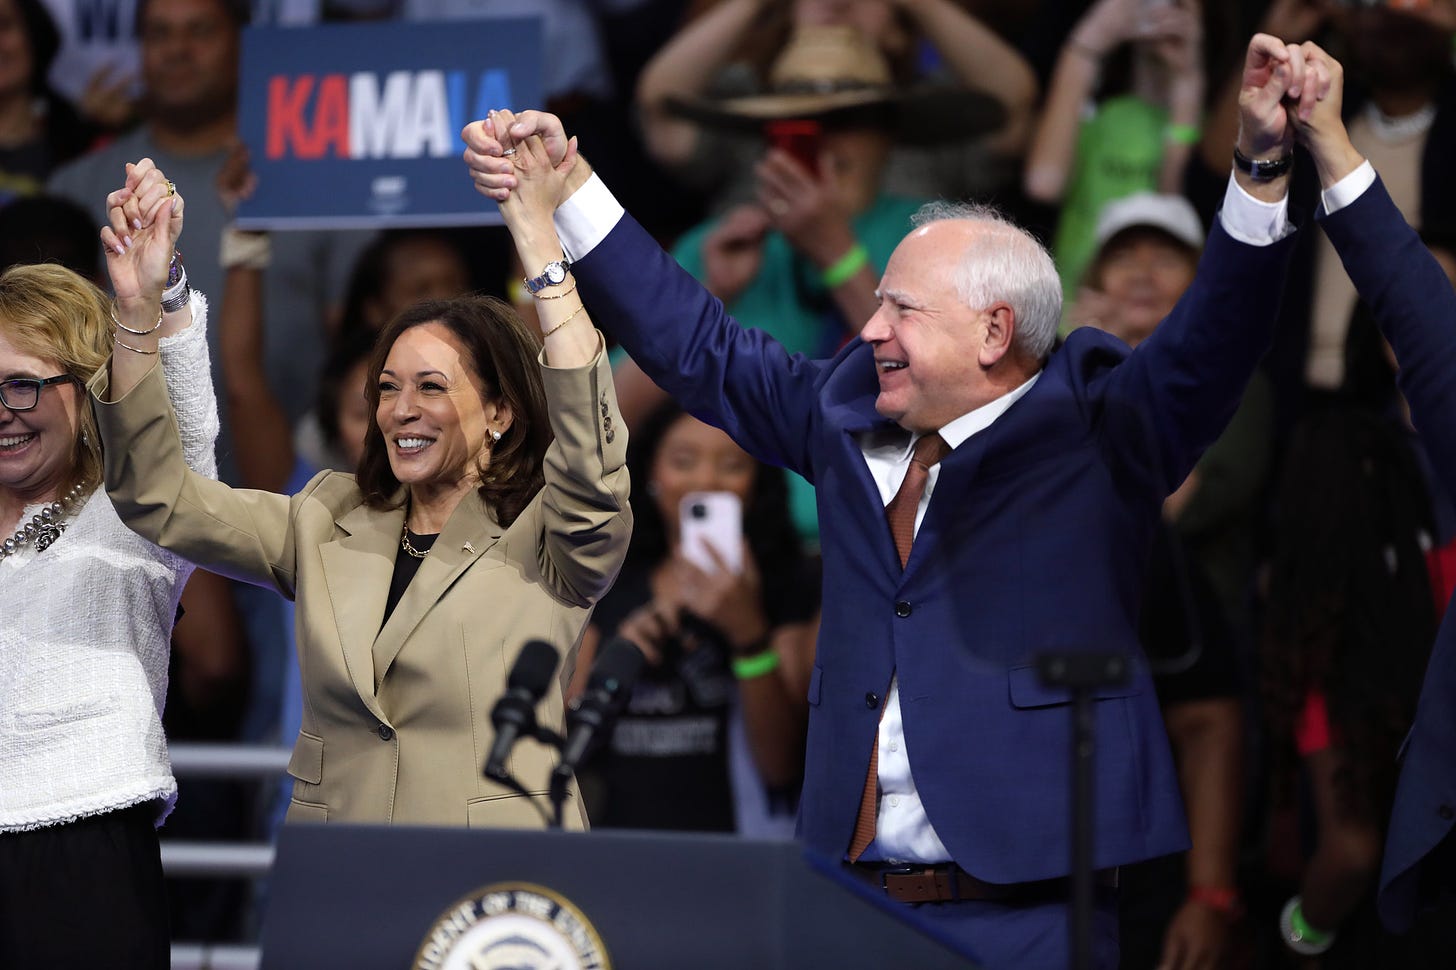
x=1005, y=263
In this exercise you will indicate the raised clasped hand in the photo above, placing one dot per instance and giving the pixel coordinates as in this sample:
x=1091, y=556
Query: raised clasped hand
x=488, y=141
x=1279, y=89
x=540, y=185
x=144, y=220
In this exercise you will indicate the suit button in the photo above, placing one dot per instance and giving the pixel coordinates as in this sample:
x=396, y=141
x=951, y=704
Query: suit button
x=902, y=609
x=1446, y=812
x=872, y=700
x=386, y=733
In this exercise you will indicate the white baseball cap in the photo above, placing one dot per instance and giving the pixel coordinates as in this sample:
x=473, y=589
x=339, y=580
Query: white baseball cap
x=1172, y=214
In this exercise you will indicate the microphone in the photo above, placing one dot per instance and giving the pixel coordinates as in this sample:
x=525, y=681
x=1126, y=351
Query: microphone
x=514, y=713
x=606, y=695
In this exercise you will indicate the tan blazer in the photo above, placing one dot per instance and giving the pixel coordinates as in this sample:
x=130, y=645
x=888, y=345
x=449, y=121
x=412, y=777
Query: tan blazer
x=396, y=720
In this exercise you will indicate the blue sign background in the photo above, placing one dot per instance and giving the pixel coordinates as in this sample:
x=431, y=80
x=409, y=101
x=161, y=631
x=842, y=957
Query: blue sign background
x=332, y=192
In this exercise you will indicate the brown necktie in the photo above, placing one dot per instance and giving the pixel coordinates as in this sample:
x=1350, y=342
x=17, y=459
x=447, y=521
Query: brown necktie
x=900, y=513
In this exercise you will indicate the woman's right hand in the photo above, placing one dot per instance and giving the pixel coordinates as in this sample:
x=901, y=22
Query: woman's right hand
x=540, y=186
x=144, y=221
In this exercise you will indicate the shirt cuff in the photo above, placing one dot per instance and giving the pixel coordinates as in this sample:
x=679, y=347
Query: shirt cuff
x=586, y=217
x=1253, y=221
x=1349, y=188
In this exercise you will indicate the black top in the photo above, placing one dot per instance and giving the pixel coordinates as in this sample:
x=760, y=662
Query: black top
x=405, y=567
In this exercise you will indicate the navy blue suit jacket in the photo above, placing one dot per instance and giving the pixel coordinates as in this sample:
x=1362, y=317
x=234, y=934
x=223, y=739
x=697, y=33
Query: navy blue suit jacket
x=1034, y=541
x=1416, y=308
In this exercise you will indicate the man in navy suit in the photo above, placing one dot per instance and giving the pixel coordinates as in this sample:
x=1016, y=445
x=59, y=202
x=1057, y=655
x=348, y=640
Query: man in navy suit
x=1029, y=532
x=1414, y=304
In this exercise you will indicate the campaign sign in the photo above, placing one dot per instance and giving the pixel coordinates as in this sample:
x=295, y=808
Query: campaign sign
x=358, y=125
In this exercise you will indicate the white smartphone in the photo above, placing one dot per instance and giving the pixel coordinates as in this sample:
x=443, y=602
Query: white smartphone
x=712, y=519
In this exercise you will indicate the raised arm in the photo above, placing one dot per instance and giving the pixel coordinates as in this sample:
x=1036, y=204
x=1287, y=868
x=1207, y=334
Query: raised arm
x=1395, y=274
x=685, y=66
x=588, y=520
x=982, y=61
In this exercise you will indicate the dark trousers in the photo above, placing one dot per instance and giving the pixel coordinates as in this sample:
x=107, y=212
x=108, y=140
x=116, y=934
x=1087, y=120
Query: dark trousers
x=85, y=894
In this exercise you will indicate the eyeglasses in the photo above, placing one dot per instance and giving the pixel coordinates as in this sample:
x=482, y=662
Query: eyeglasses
x=23, y=393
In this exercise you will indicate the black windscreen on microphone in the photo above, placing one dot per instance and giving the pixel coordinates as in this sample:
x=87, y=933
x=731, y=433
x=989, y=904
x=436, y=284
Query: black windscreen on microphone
x=514, y=713
x=607, y=692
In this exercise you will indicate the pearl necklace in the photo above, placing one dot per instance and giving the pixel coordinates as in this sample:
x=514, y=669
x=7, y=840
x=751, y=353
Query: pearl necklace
x=46, y=526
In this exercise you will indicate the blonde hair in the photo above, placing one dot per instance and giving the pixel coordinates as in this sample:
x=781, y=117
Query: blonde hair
x=52, y=312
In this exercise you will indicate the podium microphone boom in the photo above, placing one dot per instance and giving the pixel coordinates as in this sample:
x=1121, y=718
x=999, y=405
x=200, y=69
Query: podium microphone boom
x=514, y=714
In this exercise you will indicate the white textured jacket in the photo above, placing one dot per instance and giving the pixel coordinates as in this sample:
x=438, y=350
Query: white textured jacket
x=84, y=633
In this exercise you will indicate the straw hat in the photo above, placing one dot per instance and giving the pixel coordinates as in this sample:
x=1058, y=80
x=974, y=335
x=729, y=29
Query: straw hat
x=835, y=76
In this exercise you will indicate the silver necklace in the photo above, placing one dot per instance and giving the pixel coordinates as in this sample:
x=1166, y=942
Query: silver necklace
x=46, y=526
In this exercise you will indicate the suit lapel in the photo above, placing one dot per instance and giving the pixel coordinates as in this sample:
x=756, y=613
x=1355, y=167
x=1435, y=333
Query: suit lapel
x=358, y=569
x=469, y=533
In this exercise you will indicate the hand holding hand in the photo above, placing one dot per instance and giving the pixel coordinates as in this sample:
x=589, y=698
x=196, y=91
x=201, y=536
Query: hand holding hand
x=144, y=219
x=540, y=185
x=733, y=251
x=1323, y=131
x=487, y=140
x=1276, y=88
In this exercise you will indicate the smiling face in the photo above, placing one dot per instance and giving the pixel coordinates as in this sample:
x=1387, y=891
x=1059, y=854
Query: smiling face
x=696, y=457
x=1143, y=272
x=927, y=341
x=37, y=447
x=434, y=411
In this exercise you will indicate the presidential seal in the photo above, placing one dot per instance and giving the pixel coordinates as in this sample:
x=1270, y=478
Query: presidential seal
x=512, y=926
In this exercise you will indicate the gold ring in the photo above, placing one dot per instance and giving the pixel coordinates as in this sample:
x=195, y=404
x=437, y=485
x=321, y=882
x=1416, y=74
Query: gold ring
x=171, y=189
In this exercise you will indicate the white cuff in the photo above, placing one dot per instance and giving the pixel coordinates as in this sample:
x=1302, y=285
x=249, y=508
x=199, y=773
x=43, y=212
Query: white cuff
x=1253, y=221
x=586, y=217
x=1349, y=188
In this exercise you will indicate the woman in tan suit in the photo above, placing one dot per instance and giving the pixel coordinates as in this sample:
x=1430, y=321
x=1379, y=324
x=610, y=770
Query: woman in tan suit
x=490, y=508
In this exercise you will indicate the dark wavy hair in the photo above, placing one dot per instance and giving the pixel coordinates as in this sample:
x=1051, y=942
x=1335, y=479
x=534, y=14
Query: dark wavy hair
x=503, y=352
x=1350, y=610
x=766, y=522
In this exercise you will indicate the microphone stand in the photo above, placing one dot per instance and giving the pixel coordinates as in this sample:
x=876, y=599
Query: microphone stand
x=1083, y=673
x=547, y=737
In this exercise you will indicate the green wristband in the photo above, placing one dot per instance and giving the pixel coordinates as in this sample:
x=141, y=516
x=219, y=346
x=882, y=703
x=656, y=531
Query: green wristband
x=846, y=266
x=1182, y=134
x=1307, y=933
x=747, y=668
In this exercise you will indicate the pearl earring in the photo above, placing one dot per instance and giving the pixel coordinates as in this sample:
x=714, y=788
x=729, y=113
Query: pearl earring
x=494, y=435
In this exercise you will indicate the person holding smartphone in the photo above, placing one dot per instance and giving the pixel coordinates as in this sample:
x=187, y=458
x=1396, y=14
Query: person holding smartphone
x=718, y=594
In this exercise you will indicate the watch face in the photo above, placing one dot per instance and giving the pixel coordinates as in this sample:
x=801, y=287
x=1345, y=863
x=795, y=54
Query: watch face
x=555, y=272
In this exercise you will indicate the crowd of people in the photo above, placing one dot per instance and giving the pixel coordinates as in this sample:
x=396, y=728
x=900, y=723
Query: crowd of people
x=1163, y=413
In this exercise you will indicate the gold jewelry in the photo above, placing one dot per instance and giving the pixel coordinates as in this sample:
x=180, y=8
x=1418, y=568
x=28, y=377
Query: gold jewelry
x=563, y=322
x=171, y=188
x=543, y=296
x=136, y=350
x=139, y=333
x=408, y=546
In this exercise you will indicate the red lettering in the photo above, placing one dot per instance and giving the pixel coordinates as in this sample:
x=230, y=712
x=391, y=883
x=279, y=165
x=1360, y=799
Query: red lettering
x=286, y=122
x=331, y=119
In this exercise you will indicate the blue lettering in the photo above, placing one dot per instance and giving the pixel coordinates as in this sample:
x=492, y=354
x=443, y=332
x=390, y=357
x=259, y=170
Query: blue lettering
x=98, y=20
x=494, y=92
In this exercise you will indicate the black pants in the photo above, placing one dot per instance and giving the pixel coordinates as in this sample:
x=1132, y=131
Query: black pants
x=85, y=894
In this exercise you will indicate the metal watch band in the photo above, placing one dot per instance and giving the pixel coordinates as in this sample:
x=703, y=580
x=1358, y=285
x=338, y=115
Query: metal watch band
x=553, y=274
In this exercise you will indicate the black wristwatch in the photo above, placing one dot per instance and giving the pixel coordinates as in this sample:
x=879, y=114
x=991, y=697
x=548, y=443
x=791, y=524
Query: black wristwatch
x=552, y=275
x=1262, y=169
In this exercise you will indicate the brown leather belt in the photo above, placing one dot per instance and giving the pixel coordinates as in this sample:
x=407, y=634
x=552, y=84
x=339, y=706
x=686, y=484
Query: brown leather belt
x=948, y=882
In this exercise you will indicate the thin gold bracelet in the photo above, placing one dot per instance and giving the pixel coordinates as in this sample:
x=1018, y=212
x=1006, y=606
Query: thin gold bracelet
x=136, y=350
x=542, y=296
x=563, y=322
x=139, y=333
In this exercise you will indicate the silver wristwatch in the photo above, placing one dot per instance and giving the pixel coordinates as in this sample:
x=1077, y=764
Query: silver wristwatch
x=553, y=274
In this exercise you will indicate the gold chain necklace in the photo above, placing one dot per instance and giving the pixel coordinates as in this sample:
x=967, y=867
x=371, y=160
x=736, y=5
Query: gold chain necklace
x=408, y=546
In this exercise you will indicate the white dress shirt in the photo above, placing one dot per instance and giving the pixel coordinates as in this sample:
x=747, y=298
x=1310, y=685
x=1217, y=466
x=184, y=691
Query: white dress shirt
x=903, y=832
